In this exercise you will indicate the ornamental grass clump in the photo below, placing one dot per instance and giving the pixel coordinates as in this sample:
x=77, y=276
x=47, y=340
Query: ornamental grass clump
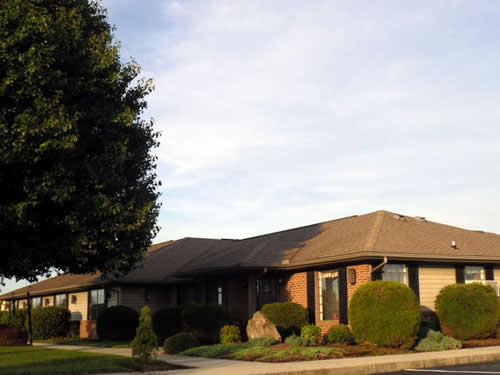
x=145, y=342
x=467, y=311
x=385, y=313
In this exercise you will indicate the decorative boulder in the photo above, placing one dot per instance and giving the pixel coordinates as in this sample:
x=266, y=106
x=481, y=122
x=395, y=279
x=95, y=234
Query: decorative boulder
x=11, y=336
x=260, y=326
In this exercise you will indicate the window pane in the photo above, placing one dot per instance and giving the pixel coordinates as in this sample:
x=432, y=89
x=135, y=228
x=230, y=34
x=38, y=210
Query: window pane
x=395, y=272
x=473, y=273
x=36, y=302
x=329, y=284
x=61, y=300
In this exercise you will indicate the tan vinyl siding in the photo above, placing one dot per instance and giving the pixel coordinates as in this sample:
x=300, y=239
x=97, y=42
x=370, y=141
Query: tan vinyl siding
x=432, y=279
x=78, y=310
x=132, y=297
x=497, y=274
x=155, y=297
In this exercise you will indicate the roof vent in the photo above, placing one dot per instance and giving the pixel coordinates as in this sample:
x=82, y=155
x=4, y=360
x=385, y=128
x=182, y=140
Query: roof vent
x=453, y=244
x=419, y=218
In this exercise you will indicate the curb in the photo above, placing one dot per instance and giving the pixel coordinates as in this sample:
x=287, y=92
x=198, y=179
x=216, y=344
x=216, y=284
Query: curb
x=380, y=368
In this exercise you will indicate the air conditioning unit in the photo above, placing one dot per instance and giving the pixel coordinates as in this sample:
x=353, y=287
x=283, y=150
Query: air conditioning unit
x=493, y=284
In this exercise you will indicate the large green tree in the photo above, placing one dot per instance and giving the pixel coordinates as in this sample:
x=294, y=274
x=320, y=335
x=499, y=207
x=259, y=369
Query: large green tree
x=77, y=173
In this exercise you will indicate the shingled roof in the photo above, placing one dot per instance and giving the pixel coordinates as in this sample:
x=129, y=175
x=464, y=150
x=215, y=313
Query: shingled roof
x=353, y=238
x=373, y=235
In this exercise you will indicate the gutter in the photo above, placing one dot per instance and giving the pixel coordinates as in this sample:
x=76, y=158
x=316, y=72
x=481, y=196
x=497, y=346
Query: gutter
x=384, y=262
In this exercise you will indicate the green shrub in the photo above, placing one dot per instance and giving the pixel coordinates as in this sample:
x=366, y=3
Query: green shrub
x=117, y=323
x=312, y=334
x=15, y=319
x=167, y=322
x=261, y=342
x=230, y=335
x=49, y=322
x=205, y=321
x=180, y=342
x=294, y=340
x=498, y=312
x=467, y=311
x=339, y=334
x=145, y=342
x=385, y=313
x=436, y=341
x=288, y=317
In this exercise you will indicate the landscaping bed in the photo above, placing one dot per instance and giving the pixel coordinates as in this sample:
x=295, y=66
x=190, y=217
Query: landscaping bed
x=287, y=353
x=42, y=361
x=479, y=343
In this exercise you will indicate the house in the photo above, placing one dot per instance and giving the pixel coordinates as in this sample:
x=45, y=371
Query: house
x=318, y=266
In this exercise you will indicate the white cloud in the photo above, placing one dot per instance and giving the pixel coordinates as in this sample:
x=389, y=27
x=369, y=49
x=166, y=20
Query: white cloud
x=284, y=113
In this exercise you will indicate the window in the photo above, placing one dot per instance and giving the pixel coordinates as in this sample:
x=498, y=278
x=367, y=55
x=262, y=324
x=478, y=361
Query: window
x=474, y=273
x=395, y=272
x=219, y=295
x=12, y=305
x=36, y=302
x=329, y=295
x=62, y=300
x=74, y=299
x=113, y=297
x=46, y=301
x=97, y=303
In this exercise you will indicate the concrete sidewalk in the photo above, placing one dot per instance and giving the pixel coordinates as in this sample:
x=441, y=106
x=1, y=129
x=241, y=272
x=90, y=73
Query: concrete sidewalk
x=346, y=366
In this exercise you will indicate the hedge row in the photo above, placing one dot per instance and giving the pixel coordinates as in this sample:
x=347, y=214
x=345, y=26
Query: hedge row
x=47, y=322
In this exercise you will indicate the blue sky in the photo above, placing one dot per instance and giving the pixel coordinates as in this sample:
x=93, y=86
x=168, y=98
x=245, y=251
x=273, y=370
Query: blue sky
x=277, y=114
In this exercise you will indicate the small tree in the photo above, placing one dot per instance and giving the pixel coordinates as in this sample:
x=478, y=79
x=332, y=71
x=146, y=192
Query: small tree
x=145, y=342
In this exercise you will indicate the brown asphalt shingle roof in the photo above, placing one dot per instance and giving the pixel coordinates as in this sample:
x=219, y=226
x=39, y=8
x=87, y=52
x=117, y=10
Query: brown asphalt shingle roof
x=373, y=235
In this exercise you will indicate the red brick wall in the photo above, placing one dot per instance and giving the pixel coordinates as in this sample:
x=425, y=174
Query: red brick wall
x=362, y=276
x=294, y=289
x=88, y=329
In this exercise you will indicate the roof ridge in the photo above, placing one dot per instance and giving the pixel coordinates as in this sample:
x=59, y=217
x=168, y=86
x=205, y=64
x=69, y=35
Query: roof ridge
x=301, y=227
x=375, y=232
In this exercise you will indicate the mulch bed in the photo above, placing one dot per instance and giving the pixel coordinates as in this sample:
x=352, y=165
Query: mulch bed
x=480, y=343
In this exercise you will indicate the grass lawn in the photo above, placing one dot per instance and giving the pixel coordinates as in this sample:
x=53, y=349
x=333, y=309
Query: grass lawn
x=85, y=342
x=32, y=360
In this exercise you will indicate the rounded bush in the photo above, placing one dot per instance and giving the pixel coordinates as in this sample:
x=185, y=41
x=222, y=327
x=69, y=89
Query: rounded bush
x=312, y=334
x=467, y=311
x=180, y=342
x=49, y=322
x=167, y=322
x=205, y=321
x=339, y=334
x=385, y=313
x=288, y=317
x=117, y=323
x=230, y=335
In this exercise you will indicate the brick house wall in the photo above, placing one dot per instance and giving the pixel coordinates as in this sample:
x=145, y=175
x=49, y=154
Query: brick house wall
x=294, y=289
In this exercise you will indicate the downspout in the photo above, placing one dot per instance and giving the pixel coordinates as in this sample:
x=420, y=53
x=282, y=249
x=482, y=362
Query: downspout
x=384, y=262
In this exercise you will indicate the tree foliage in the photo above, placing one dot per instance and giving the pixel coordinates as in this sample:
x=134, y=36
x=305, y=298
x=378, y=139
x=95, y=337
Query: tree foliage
x=79, y=192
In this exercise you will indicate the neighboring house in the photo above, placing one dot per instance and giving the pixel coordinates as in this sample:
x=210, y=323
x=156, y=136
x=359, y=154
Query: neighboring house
x=318, y=266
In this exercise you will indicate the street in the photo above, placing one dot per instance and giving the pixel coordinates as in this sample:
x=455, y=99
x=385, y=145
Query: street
x=479, y=368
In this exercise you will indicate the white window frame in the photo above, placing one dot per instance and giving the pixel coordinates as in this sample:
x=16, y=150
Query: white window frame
x=321, y=276
x=482, y=273
x=405, y=271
